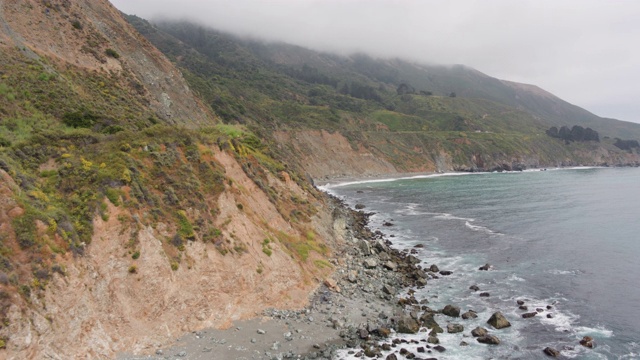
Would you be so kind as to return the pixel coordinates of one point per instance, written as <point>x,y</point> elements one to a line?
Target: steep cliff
<point>128,214</point>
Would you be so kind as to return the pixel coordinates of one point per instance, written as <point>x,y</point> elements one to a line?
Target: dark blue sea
<point>566,238</point>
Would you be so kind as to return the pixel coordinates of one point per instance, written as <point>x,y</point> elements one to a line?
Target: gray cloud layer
<point>584,51</point>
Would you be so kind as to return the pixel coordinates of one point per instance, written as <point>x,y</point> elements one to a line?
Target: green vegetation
<point>256,88</point>
<point>185,229</point>
<point>266,248</point>
<point>112,53</point>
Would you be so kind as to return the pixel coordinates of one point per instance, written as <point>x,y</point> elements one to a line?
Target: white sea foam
<point>598,331</point>
<point>373,181</point>
<point>480,228</point>
<point>513,277</point>
<point>445,216</point>
<point>561,321</point>
<point>565,272</point>
<point>411,210</point>
<point>328,186</point>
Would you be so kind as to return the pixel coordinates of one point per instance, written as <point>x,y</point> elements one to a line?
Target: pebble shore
<point>356,313</point>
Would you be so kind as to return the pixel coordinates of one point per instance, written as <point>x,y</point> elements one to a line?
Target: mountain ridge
<point>357,95</point>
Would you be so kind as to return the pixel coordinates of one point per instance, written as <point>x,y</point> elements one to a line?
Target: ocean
<point>568,239</point>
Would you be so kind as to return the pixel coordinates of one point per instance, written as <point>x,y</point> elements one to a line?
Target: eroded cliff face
<point>325,155</point>
<point>107,302</point>
<point>254,237</point>
<point>92,35</point>
<point>330,155</point>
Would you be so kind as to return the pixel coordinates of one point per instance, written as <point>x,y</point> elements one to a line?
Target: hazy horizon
<point>581,51</point>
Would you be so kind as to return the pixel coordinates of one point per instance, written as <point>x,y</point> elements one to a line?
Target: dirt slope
<point>101,307</point>
<point>79,33</point>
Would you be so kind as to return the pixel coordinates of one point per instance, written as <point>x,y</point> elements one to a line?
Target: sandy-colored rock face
<point>100,307</point>
<point>325,154</point>
<point>79,32</point>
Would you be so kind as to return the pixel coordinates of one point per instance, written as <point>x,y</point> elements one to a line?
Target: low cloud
<point>581,50</point>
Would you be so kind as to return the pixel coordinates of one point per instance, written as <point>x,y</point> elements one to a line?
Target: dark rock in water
<point>549,307</point>
<point>446,272</point>
<point>383,332</point>
<point>363,334</point>
<point>433,340</point>
<point>391,357</point>
<point>413,251</point>
<point>451,310</point>
<point>454,328</point>
<point>485,267</point>
<point>549,316</point>
<point>436,330</point>
<point>420,349</point>
<point>498,321</point>
<point>439,348</point>
<point>523,307</point>
<point>464,343</point>
<point>386,346</point>
<point>539,310</point>
<point>529,315</point>
<point>428,321</point>
<point>419,246</point>
<point>474,287</point>
<point>520,302</point>
<point>386,223</point>
<point>551,352</point>
<point>407,325</point>
<point>479,331</point>
<point>469,315</point>
<point>371,352</point>
<point>485,294</point>
<point>359,206</point>
<point>434,268</point>
<point>489,339</point>
<point>587,341</point>
<point>359,192</point>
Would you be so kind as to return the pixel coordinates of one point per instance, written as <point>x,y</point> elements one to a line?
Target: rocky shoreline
<point>356,313</point>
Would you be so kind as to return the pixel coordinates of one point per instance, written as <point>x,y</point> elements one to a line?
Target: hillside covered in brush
<point>129,213</point>
<point>400,115</point>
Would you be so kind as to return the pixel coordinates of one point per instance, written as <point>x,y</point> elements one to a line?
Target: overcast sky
<point>584,51</point>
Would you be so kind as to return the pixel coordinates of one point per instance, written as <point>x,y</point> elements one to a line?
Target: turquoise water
<point>566,238</point>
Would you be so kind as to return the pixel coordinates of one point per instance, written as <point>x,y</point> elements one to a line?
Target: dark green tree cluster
<point>576,133</point>
<point>626,144</point>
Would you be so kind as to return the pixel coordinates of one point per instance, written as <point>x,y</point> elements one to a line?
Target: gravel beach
<point>356,313</point>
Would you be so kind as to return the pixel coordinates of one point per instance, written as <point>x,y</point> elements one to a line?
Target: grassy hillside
<point>289,88</point>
